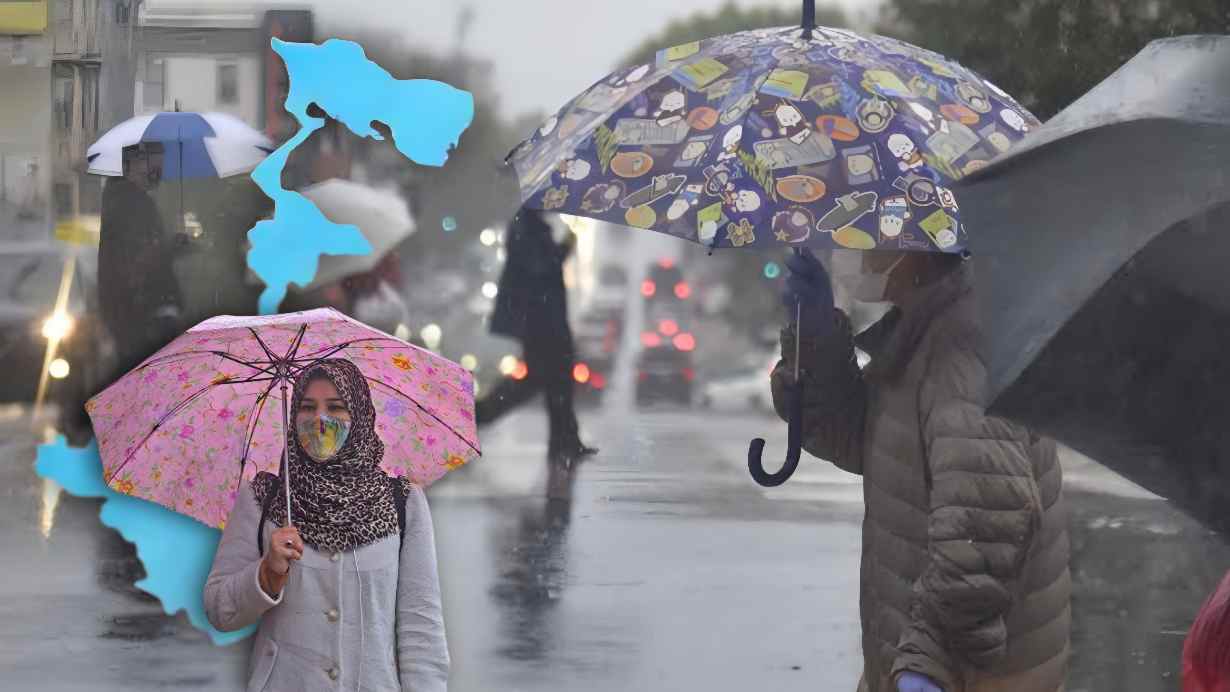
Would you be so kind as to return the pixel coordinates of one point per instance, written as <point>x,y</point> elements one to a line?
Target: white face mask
<point>859,283</point>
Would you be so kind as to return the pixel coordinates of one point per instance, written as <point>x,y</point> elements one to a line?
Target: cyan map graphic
<point>426,119</point>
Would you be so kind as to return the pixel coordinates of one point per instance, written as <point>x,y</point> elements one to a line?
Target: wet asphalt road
<point>657,565</point>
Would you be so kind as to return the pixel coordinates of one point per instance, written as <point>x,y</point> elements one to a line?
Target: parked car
<point>664,373</point>
<point>597,343</point>
<point>31,277</point>
<point>741,389</point>
<point>664,282</point>
<point>748,387</point>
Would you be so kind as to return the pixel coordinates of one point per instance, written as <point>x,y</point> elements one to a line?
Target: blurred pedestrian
<point>1206,653</point>
<point>531,306</point>
<point>376,297</point>
<point>965,583</point>
<point>359,558</point>
<point>212,267</point>
<point>138,293</point>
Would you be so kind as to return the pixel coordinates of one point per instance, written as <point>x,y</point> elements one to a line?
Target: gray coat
<point>965,540</point>
<point>329,630</point>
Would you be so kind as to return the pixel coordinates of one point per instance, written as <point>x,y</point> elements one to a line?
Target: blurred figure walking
<point>139,296</point>
<point>532,307</point>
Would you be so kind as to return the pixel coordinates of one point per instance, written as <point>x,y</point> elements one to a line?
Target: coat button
<point>336,556</point>
<point>333,673</point>
<point>332,615</point>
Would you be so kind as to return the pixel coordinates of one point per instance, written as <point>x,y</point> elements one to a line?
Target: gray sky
<point>544,51</point>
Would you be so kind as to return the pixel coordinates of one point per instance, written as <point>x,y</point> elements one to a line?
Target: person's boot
<point>572,451</point>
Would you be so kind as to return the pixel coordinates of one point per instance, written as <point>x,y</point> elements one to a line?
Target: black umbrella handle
<point>794,443</point>
<point>809,18</point>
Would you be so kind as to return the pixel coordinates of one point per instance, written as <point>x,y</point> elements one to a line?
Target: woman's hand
<point>285,546</point>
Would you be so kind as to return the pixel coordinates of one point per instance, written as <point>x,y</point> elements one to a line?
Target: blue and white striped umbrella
<point>206,144</point>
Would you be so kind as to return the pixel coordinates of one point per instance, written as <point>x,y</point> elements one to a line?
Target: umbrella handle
<point>286,453</point>
<point>794,444</point>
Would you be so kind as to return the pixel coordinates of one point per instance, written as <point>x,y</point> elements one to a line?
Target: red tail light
<point>666,263</point>
<point>682,290</point>
<point>688,374</point>
<point>668,327</point>
<point>650,339</point>
<point>642,375</point>
<point>580,373</point>
<point>520,372</point>
<point>648,288</point>
<point>684,341</point>
<point>597,381</point>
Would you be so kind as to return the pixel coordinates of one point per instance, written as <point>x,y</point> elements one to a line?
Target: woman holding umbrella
<point>965,582</point>
<point>345,598</point>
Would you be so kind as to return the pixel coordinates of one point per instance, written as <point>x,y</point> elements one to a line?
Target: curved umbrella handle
<point>794,445</point>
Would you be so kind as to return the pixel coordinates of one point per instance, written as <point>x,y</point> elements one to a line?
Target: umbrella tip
<point>809,18</point>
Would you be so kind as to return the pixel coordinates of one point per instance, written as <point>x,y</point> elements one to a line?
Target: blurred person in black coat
<point>532,307</point>
<point>139,296</point>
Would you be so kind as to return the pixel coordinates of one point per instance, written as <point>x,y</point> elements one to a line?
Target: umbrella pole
<point>180,144</point>
<point>286,454</point>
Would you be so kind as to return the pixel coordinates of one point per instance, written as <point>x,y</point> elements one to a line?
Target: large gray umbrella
<point>1102,252</point>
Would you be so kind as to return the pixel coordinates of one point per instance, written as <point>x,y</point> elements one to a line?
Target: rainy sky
<point>545,51</point>
<point>579,41</point>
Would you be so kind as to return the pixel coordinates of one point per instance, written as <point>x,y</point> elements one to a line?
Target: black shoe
<point>574,452</point>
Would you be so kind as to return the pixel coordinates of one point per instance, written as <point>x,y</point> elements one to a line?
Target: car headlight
<point>58,326</point>
<point>58,369</point>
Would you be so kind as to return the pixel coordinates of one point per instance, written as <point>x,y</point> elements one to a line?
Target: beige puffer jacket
<point>965,542</point>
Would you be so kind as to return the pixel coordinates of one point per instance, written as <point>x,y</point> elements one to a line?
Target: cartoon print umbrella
<point>207,411</point>
<point>783,137</point>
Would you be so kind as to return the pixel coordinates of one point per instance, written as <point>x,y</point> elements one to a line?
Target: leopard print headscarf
<point>345,501</point>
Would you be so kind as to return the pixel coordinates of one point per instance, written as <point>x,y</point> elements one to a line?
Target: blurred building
<point>199,57</point>
<point>215,55</point>
<point>25,119</point>
<point>63,65</point>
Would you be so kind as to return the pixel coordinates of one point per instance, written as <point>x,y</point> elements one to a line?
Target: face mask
<point>322,437</point>
<point>860,283</point>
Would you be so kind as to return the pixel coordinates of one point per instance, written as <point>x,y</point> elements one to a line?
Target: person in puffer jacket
<point>965,584</point>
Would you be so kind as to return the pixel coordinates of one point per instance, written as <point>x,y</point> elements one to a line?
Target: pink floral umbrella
<point>185,427</point>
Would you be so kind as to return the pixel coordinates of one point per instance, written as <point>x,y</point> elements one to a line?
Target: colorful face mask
<point>322,437</point>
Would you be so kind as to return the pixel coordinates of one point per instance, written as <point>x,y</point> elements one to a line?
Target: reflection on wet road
<point>657,565</point>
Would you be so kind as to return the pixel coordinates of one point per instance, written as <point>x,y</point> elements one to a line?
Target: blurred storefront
<point>25,142</point>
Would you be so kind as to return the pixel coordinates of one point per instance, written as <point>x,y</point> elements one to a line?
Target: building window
<point>228,83</point>
<point>62,93</point>
<point>152,87</point>
<point>63,194</point>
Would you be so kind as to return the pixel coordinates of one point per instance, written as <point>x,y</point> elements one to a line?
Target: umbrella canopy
<point>207,411</point>
<point>785,137</point>
<point>1101,256</point>
<point>381,215</point>
<point>776,138</point>
<point>195,145</point>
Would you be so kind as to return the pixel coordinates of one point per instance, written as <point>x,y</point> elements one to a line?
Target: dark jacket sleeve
<point>984,509</point>
<point>834,394</point>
